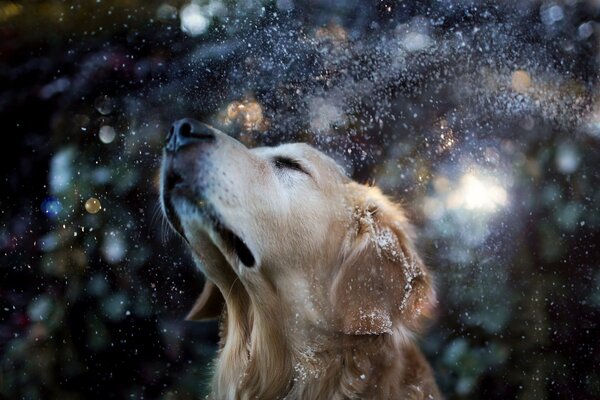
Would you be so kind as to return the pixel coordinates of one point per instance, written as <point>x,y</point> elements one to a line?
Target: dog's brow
<point>293,163</point>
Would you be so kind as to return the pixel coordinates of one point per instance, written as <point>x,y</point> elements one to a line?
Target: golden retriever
<point>315,277</point>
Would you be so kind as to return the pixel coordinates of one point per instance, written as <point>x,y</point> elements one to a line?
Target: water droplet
<point>92,205</point>
<point>107,134</point>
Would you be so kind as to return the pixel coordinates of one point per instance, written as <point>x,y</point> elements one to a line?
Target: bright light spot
<point>193,20</point>
<point>414,41</point>
<point>92,205</point>
<point>552,14</point>
<point>556,13</point>
<point>520,81</point>
<point>107,134</point>
<point>473,192</point>
<point>447,140</point>
<point>476,193</point>
<point>51,207</point>
<point>585,30</point>
<point>114,248</point>
<point>61,171</point>
<point>248,113</point>
<point>567,159</point>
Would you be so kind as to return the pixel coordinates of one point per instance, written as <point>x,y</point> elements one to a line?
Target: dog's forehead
<point>298,150</point>
<point>301,151</point>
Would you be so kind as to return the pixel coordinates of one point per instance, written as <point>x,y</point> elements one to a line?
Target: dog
<point>315,277</point>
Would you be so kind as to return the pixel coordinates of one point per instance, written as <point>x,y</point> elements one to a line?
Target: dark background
<point>482,118</point>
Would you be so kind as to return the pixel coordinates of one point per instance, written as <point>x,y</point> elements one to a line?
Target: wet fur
<point>258,360</point>
<point>334,310</point>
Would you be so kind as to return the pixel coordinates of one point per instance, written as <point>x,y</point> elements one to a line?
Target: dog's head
<point>283,230</point>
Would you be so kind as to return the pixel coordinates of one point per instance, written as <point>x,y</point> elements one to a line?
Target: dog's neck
<point>261,357</point>
<point>254,360</point>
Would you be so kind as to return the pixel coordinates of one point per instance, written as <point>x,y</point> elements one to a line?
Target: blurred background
<point>481,117</point>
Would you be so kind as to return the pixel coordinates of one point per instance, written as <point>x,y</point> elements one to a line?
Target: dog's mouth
<point>232,242</point>
<point>175,186</point>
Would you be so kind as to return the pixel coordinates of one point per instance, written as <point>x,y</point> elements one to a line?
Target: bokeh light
<point>520,81</point>
<point>51,207</point>
<point>473,192</point>
<point>479,193</point>
<point>92,205</point>
<point>107,134</point>
<point>193,20</point>
<point>247,113</point>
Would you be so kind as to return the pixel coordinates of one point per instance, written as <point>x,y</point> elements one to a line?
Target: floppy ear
<point>382,284</point>
<point>209,304</point>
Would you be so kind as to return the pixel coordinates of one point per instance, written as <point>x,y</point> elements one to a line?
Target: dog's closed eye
<point>281,162</point>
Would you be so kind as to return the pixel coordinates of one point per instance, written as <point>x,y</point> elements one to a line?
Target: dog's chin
<point>181,204</point>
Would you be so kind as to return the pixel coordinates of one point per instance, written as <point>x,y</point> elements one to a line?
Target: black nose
<point>188,131</point>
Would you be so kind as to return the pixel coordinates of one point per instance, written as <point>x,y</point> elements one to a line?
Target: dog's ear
<point>209,304</point>
<point>382,284</point>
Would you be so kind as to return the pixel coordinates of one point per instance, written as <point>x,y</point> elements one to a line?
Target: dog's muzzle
<point>183,135</point>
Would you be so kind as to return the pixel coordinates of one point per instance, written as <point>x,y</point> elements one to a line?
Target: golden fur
<point>337,294</point>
